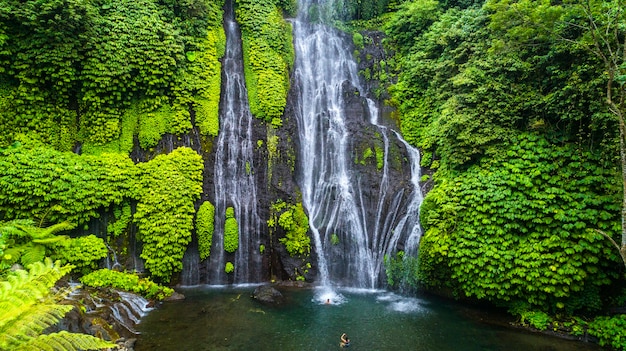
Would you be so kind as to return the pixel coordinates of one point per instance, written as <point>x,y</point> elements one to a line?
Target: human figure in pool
<point>345,342</point>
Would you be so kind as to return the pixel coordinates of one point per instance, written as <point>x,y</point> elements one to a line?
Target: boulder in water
<point>268,294</point>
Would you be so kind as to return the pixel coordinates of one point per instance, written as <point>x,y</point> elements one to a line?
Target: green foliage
<point>28,244</point>
<point>126,281</point>
<point>231,231</point>
<point>45,184</point>
<point>462,89</point>
<point>207,78</point>
<point>296,225</point>
<point>410,20</point>
<point>72,69</point>
<point>133,51</point>
<point>380,157</point>
<point>205,226</point>
<point>168,186</point>
<point>609,331</point>
<point>357,39</point>
<point>84,253</point>
<point>402,271</point>
<point>123,217</point>
<point>334,239</point>
<point>536,319</point>
<point>229,268</point>
<point>517,226</point>
<point>27,308</point>
<point>268,54</point>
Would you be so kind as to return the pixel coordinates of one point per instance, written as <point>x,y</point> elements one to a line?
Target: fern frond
<point>34,320</point>
<point>32,254</point>
<point>14,227</point>
<point>53,229</point>
<point>64,341</point>
<point>22,288</point>
<point>52,240</point>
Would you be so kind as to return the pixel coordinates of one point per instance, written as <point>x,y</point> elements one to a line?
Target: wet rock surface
<point>268,295</point>
<point>105,313</point>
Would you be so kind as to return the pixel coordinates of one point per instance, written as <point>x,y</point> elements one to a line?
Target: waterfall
<point>234,169</point>
<point>332,189</point>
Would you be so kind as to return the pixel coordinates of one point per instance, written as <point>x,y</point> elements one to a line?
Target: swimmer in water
<point>345,342</point>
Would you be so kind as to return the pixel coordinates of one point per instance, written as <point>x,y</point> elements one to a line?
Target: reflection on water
<point>229,319</point>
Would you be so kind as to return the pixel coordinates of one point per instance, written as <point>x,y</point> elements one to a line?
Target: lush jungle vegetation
<point>517,107</point>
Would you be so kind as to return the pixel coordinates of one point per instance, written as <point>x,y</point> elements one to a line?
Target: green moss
<point>273,151</point>
<point>204,228</point>
<point>367,153</point>
<point>231,231</point>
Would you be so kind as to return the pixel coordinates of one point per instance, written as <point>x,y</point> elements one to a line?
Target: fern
<point>64,341</point>
<point>28,243</point>
<point>27,308</point>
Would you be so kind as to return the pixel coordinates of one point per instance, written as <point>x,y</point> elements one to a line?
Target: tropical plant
<point>27,243</point>
<point>268,54</point>
<point>28,307</point>
<point>168,187</point>
<point>590,26</point>
<point>84,253</point>
<point>126,281</point>
<point>231,231</point>
<point>609,331</point>
<point>296,225</point>
<point>205,226</point>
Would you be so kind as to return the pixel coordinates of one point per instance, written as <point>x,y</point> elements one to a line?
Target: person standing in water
<point>345,342</point>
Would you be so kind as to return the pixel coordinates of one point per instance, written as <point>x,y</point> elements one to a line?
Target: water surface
<point>229,319</point>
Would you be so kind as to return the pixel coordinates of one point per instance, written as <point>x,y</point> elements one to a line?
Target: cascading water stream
<point>331,187</point>
<point>234,176</point>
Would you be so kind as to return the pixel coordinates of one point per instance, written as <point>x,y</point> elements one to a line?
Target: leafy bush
<point>167,189</point>
<point>517,227</point>
<point>229,268</point>
<point>610,331</point>
<point>536,319</point>
<point>268,54</point>
<point>296,225</point>
<point>231,231</point>
<point>85,253</point>
<point>205,226</point>
<point>128,282</point>
<point>42,183</point>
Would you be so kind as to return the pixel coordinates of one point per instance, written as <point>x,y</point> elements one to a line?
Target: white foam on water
<point>327,296</point>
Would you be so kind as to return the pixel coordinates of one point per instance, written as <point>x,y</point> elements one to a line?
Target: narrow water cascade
<point>234,169</point>
<point>354,221</point>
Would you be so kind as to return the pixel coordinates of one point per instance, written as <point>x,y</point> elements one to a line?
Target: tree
<point>27,308</point>
<point>605,37</point>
